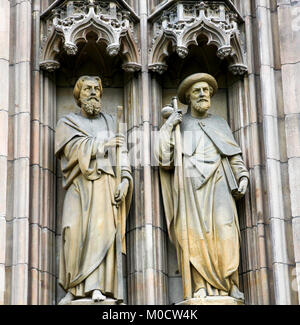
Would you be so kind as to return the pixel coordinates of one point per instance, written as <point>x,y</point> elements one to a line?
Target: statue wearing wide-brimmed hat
<point>213,176</point>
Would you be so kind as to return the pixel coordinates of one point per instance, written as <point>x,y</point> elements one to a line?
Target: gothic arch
<point>184,22</point>
<point>67,28</point>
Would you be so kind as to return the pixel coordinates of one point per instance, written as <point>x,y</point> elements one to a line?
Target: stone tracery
<point>70,24</point>
<point>183,22</point>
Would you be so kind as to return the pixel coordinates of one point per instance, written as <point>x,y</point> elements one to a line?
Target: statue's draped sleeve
<point>164,147</point>
<point>164,152</point>
<point>238,167</point>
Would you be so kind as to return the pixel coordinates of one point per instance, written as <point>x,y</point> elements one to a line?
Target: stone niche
<point>79,38</point>
<point>91,59</point>
<point>200,58</point>
<point>190,37</point>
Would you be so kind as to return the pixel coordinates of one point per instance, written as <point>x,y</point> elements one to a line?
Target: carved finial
<point>91,4</point>
<point>202,5</point>
<point>70,48</point>
<point>126,14</point>
<point>113,49</point>
<point>182,51</point>
<point>224,51</point>
<point>238,69</point>
<point>159,68</point>
<point>164,15</point>
<point>50,65</point>
<point>131,67</point>
<point>56,12</point>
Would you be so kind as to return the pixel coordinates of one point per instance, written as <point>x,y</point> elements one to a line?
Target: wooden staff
<point>118,151</point>
<point>118,208</point>
<point>185,260</point>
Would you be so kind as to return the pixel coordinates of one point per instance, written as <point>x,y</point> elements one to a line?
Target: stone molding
<point>50,65</point>
<point>212,301</point>
<point>131,67</point>
<point>182,23</point>
<point>160,68</point>
<point>70,23</point>
<point>90,302</point>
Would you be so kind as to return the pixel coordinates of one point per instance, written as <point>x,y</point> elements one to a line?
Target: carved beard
<point>91,106</point>
<point>201,106</point>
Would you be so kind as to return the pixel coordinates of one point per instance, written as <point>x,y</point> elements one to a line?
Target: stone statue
<point>213,176</point>
<point>95,207</point>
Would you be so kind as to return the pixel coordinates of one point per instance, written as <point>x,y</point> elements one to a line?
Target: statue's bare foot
<point>98,296</point>
<point>67,299</point>
<point>236,293</point>
<point>201,293</point>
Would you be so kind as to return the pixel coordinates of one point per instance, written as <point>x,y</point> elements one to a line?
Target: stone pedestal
<point>212,300</point>
<point>85,301</point>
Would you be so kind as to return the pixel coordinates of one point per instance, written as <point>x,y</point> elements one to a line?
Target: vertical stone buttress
<point>34,160</point>
<point>147,238</point>
<point>41,289</point>
<point>279,113</point>
<point>159,224</point>
<point>4,103</point>
<point>146,243</point>
<point>288,15</point>
<point>17,219</point>
<point>255,270</point>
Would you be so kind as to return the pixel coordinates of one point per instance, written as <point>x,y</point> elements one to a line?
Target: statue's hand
<point>242,188</point>
<point>174,119</point>
<point>116,141</point>
<point>122,191</point>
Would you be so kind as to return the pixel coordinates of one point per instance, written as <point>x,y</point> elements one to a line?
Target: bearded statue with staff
<point>202,174</point>
<point>97,200</point>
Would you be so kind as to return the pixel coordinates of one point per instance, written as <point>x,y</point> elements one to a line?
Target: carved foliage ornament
<point>75,19</point>
<point>183,22</point>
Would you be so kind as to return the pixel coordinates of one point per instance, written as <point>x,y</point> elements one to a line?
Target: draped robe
<point>89,245</point>
<point>213,166</point>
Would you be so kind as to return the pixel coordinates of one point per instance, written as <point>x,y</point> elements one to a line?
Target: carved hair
<point>79,84</point>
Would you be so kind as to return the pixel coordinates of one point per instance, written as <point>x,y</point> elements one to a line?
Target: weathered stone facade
<point>142,49</point>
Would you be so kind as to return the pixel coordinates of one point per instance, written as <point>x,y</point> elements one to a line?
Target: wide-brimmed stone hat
<point>192,79</point>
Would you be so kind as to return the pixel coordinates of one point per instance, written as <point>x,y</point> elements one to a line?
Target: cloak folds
<point>212,165</point>
<point>89,222</point>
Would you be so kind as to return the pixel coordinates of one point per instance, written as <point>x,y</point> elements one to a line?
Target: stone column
<point>255,268</point>
<point>289,38</point>
<point>48,185</point>
<point>274,151</point>
<point>35,158</point>
<point>17,242</point>
<point>147,231</point>
<point>41,289</point>
<point>146,281</point>
<point>4,102</point>
<point>159,230</point>
<point>135,219</point>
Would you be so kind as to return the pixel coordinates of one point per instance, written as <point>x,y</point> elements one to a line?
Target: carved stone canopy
<point>183,22</point>
<point>70,23</point>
